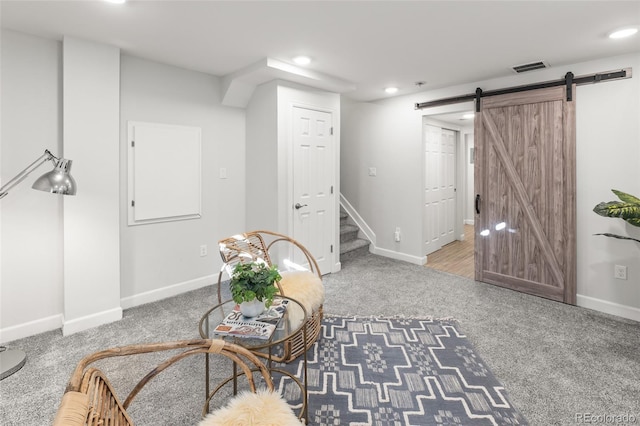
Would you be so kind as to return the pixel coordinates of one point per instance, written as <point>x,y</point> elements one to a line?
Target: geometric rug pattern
<point>398,371</point>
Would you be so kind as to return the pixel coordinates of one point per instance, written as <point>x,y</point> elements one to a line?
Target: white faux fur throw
<point>263,408</point>
<point>305,287</point>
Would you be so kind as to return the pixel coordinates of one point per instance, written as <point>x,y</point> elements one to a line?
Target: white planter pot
<point>252,308</point>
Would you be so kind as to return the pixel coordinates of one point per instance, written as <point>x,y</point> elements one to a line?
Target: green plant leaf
<point>634,221</point>
<point>627,198</point>
<point>623,210</point>
<point>620,237</point>
<point>254,280</point>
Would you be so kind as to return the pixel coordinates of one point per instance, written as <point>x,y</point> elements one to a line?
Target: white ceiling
<point>369,44</point>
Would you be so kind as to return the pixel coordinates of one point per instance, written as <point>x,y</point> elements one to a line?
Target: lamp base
<point>11,360</point>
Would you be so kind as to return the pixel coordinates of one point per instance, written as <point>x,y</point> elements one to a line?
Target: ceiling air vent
<point>518,69</point>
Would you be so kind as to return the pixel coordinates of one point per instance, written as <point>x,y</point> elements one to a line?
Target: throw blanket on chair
<point>305,287</point>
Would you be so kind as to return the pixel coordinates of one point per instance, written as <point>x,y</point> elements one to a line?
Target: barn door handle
<point>477,203</point>
<point>298,206</point>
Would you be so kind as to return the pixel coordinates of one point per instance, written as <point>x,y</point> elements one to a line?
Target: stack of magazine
<point>259,327</point>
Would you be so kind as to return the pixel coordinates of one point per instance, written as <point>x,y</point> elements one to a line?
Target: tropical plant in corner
<point>628,209</point>
<point>254,280</point>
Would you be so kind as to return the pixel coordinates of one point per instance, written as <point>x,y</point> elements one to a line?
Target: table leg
<point>305,395</point>
<point>235,379</point>
<point>206,379</point>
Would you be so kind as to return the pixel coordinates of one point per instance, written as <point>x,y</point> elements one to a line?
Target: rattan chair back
<point>90,399</point>
<point>264,246</point>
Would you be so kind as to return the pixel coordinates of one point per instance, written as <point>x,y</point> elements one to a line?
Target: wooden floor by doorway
<point>456,257</point>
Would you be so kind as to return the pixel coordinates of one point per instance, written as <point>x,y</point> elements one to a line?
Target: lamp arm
<point>4,190</point>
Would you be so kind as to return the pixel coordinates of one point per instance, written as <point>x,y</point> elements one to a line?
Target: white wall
<point>91,102</point>
<point>387,135</point>
<point>156,260</point>
<point>31,221</point>
<point>262,159</point>
<point>608,157</point>
<point>163,259</point>
<point>469,211</point>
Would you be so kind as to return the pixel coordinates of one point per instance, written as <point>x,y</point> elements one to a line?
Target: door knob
<point>298,206</point>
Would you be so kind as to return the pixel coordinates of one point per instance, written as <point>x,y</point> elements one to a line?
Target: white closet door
<point>312,183</point>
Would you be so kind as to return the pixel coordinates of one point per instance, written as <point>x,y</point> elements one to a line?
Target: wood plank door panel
<point>525,177</point>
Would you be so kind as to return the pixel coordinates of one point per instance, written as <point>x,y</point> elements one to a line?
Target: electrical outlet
<point>397,234</point>
<point>620,272</point>
<point>203,250</point>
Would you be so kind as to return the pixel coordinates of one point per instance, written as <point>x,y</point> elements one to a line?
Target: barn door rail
<point>568,80</point>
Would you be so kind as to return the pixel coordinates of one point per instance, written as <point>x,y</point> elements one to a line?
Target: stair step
<point>350,245</point>
<point>353,245</point>
<point>343,217</point>
<point>354,248</point>
<point>348,233</point>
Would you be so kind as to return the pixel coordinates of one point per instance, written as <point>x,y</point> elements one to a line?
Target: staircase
<point>351,246</point>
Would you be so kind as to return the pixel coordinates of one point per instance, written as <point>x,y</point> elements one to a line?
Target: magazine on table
<point>259,327</point>
<point>273,313</point>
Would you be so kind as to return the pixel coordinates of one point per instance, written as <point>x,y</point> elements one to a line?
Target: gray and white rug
<point>398,371</point>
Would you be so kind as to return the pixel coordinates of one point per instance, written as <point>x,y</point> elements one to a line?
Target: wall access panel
<point>164,172</point>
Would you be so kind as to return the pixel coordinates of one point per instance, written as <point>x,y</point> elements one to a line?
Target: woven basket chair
<point>90,399</point>
<point>266,246</point>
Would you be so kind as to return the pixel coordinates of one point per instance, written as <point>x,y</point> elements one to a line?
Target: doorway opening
<point>448,223</point>
<point>456,257</point>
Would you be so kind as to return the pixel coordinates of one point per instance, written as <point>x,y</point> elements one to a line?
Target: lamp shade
<point>58,180</point>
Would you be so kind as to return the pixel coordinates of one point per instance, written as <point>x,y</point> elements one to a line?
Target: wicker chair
<point>90,398</point>
<point>267,246</point>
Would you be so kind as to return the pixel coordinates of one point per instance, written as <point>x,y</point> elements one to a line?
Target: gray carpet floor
<point>557,362</point>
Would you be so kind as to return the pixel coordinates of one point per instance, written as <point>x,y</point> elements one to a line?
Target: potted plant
<point>253,286</point>
<point>628,209</point>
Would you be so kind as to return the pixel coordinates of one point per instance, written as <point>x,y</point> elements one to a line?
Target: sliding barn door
<point>525,186</point>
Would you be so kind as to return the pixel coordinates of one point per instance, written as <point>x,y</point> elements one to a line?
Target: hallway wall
<point>387,134</point>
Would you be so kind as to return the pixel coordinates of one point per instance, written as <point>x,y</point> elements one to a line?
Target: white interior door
<point>313,218</point>
<point>439,188</point>
<point>447,211</point>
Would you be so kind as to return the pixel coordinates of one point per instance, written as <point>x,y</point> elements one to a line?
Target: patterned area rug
<point>396,371</point>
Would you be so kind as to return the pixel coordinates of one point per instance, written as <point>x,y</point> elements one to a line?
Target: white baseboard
<point>91,321</point>
<point>55,322</point>
<point>30,328</point>
<point>623,311</point>
<point>469,221</point>
<point>169,291</point>
<point>398,256</point>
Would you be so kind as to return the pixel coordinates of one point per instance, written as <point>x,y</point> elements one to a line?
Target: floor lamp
<point>57,181</point>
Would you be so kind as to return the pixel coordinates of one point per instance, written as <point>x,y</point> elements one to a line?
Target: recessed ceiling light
<point>116,1</point>
<point>625,32</point>
<point>302,60</point>
<point>391,90</point>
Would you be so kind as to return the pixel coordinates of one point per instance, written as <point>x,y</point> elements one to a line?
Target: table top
<point>289,325</point>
